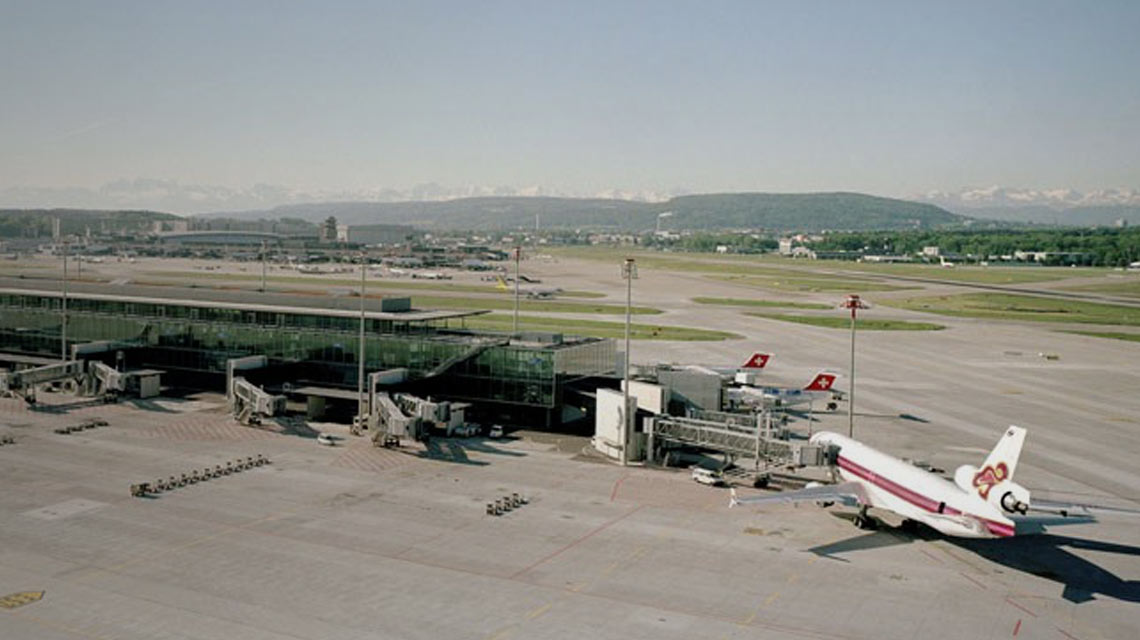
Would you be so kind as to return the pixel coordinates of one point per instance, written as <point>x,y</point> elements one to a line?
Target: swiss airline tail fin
<point>1003,459</point>
<point>757,361</point>
<point>821,382</point>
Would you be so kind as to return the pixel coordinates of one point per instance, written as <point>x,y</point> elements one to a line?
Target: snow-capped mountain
<point>175,197</point>
<point>1012,197</point>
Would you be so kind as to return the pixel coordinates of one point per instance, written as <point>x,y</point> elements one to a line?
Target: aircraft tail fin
<point>1003,459</point>
<point>821,382</point>
<point>502,286</point>
<point>757,361</point>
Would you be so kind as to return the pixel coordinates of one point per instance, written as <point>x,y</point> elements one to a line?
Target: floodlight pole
<point>515,325</point>
<point>854,303</point>
<point>263,249</point>
<point>63,309</point>
<point>360,355</point>
<point>629,273</point>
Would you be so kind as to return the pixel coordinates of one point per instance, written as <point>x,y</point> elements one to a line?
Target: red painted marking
<point>1017,627</point>
<point>977,582</point>
<point>617,485</point>
<point>575,543</point>
<point>1012,603</point>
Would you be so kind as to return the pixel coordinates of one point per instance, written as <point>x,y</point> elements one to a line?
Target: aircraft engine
<point>1011,497</point>
<point>964,477</point>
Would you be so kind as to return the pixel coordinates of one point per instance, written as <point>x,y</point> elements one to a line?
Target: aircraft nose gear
<point>864,521</point>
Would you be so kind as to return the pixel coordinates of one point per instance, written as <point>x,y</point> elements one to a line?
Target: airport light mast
<point>515,325</point>
<point>854,303</point>
<point>359,422</point>
<point>629,274</point>
<point>63,309</point>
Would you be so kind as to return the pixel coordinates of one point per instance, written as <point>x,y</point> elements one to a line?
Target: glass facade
<point>202,336</point>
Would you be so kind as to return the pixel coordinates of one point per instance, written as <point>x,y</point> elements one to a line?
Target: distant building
<point>785,246</point>
<point>1064,258</point>
<point>886,258</point>
<point>380,233</point>
<point>328,230</point>
<point>931,252</point>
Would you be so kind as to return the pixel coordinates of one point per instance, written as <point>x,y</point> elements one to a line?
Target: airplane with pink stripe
<point>979,503</point>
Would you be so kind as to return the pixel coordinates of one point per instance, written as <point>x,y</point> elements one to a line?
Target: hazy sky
<point>892,98</point>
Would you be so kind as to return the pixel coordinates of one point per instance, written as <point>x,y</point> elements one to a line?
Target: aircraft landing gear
<point>864,521</point>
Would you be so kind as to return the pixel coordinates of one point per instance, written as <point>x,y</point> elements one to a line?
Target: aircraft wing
<point>843,492</point>
<point>1076,510</point>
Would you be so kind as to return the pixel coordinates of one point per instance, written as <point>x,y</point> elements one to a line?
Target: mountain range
<point>1067,207</point>
<point>774,211</point>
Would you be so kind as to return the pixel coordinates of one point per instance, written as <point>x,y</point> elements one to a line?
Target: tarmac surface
<point>352,541</point>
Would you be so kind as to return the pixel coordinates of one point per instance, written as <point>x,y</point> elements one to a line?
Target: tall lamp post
<point>629,274</point>
<point>263,257</point>
<point>854,303</point>
<point>63,309</point>
<point>515,324</point>
<point>359,422</point>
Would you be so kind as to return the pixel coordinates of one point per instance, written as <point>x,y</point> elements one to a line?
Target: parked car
<point>496,431</point>
<point>708,476</point>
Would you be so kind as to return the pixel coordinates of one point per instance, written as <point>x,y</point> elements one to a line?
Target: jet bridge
<point>22,383</point>
<point>109,383</point>
<point>250,404</point>
<point>752,436</point>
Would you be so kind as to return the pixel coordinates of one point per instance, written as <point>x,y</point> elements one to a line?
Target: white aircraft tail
<point>1003,459</point>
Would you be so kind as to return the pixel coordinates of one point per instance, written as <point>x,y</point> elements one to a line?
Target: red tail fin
<point>821,382</point>
<point>757,361</point>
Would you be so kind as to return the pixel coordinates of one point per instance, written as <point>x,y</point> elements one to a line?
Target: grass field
<point>750,302</point>
<point>1129,288</point>
<point>1130,337</point>
<point>379,283</point>
<point>790,268</point>
<point>971,274</point>
<point>1000,306</point>
<point>499,303</point>
<point>822,284</point>
<point>845,323</point>
<point>540,306</point>
<point>596,328</point>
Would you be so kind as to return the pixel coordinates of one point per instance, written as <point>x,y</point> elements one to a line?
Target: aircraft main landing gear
<point>864,521</point>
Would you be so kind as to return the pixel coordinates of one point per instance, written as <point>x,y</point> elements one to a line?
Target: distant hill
<point>806,212</point>
<point>1085,216</point>
<point>783,212</point>
<point>37,223</point>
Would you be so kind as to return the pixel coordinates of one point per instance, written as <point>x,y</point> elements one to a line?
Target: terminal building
<point>309,341</point>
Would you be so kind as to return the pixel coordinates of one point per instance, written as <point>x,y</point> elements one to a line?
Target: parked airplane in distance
<point>430,275</point>
<point>820,390</point>
<point>530,292</point>
<point>754,364</point>
<point>979,503</point>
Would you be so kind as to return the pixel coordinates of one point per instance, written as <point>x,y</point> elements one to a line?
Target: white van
<point>708,476</point>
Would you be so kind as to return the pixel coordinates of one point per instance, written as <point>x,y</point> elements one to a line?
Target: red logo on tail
<point>987,477</point>
<point>822,382</point>
<point>757,361</point>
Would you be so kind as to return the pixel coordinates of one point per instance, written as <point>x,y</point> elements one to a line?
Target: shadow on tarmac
<point>1044,555</point>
